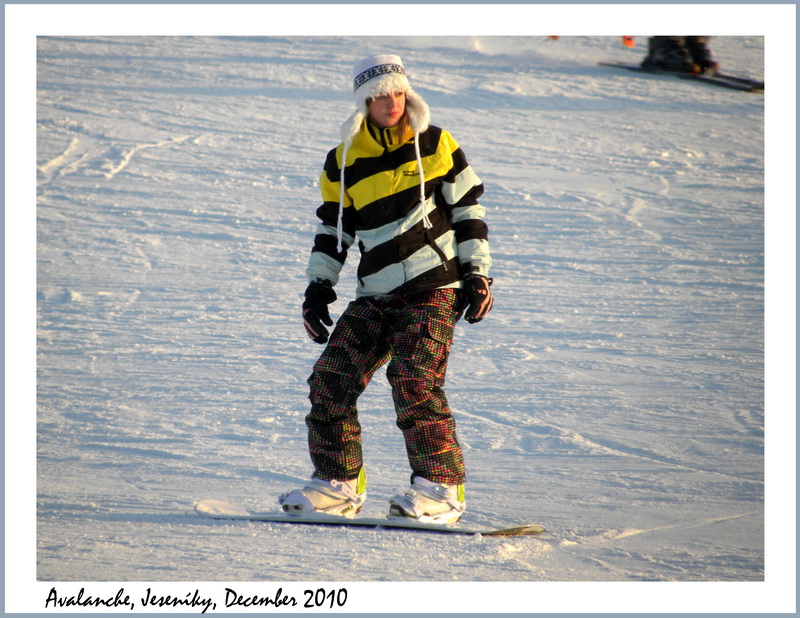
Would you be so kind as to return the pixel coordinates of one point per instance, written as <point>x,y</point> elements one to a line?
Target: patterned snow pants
<point>413,333</point>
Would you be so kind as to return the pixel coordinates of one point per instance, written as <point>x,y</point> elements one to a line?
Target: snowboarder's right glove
<point>319,294</point>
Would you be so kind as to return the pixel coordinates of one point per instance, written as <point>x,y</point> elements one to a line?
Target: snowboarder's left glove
<point>479,297</point>
<point>319,294</point>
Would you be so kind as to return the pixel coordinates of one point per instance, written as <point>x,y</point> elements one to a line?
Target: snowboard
<point>217,509</point>
<point>720,79</point>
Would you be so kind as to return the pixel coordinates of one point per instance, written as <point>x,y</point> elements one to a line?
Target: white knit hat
<point>379,74</point>
<point>383,73</point>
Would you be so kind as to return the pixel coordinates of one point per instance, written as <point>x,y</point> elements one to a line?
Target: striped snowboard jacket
<point>403,248</point>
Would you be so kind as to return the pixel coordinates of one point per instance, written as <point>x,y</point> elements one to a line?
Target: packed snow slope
<point>615,394</point>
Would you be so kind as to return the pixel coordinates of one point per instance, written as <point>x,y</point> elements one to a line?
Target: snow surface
<point>615,394</point>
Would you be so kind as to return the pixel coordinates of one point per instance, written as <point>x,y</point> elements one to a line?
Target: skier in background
<point>683,54</point>
<point>405,189</point>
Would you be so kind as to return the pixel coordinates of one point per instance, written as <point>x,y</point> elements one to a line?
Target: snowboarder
<point>683,54</point>
<point>404,188</point>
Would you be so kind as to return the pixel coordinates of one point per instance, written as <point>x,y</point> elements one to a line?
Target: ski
<point>217,509</point>
<point>734,82</point>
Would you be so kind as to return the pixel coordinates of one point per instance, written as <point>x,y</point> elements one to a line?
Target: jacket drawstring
<point>425,220</point>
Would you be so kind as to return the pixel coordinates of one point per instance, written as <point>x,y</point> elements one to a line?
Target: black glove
<point>319,294</point>
<point>479,297</point>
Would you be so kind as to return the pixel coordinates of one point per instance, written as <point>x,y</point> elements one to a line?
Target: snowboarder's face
<point>387,109</point>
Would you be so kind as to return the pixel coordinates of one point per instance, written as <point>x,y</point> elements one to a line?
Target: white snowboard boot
<point>429,502</point>
<point>333,497</point>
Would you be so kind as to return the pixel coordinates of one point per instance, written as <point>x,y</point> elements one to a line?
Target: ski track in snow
<point>614,394</point>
